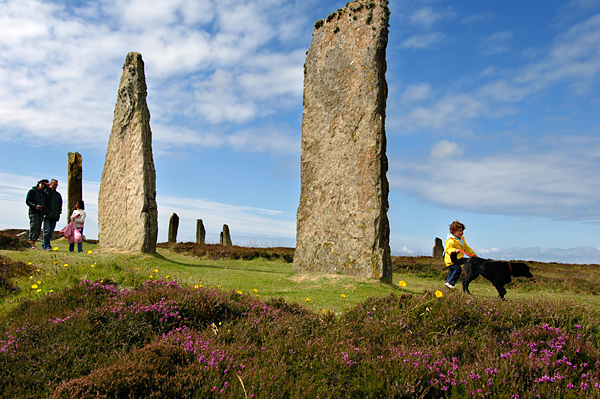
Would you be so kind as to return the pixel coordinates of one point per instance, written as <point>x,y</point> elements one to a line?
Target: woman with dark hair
<point>78,217</point>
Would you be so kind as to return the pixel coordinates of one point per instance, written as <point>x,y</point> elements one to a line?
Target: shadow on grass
<point>253,270</point>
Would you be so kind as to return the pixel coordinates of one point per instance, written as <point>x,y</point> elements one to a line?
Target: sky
<point>492,115</point>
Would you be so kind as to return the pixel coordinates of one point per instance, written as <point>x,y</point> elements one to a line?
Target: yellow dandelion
<point>201,286</point>
<point>89,252</point>
<point>255,290</point>
<point>324,311</point>
<point>439,294</point>
<point>47,274</point>
<point>37,270</point>
<point>220,323</point>
<point>402,283</point>
<point>239,292</point>
<point>196,286</point>
<point>138,269</point>
<point>92,265</point>
<point>307,299</point>
<point>151,276</point>
<point>34,286</point>
<point>39,282</point>
<point>51,291</point>
<point>166,276</point>
<point>66,264</point>
<point>258,296</point>
<point>218,286</point>
<point>29,263</point>
<point>343,296</point>
<point>101,281</point>
<point>39,290</point>
<point>55,249</point>
<point>56,263</point>
<point>30,277</point>
<point>155,270</point>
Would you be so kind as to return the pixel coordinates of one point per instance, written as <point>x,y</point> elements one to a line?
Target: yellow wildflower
<point>89,252</point>
<point>51,291</point>
<point>307,299</point>
<point>324,311</point>
<point>343,296</point>
<point>196,286</point>
<point>34,286</point>
<point>39,290</point>
<point>439,294</point>
<point>255,290</point>
<point>239,292</point>
<point>92,265</point>
<point>402,283</point>
<point>55,249</point>
<point>29,263</point>
<point>66,264</point>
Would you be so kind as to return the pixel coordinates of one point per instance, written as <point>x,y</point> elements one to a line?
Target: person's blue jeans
<point>79,244</point>
<point>454,272</point>
<point>49,226</point>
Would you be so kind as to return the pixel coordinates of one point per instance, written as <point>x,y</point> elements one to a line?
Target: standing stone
<point>127,211</point>
<point>200,232</point>
<point>221,238</point>
<point>342,223</point>
<point>173,226</point>
<point>74,182</point>
<point>225,238</point>
<point>438,248</point>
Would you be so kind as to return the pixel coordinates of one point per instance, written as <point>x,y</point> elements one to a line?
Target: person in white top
<point>78,217</point>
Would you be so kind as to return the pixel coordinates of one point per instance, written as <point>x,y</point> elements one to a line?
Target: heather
<point>179,324</point>
<point>163,339</point>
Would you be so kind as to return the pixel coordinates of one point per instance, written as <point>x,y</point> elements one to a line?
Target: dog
<point>498,272</point>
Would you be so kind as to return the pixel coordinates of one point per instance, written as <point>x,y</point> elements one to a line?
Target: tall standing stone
<point>74,182</point>
<point>173,227</point>
<point>342,223</point>
<point>200,232</point>
<point>438,248</point>
<point>225,237</point>
<point>127,211</point>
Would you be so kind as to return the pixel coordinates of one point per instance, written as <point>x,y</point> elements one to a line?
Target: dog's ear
<point>453,257</point>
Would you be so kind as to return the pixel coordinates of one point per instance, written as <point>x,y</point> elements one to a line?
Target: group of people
<point>45,208</point>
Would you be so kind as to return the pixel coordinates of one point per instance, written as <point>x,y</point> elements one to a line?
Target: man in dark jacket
<point>52,213</point>
<point>36,200</point>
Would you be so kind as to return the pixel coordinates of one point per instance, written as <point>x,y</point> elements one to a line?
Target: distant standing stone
<point>438,248</point>
<point>74,182</point>
<point>127,210</point>
<point>173,227</point>
<point>225,236</point>
<point>200,232</point>
<point>342,223</point>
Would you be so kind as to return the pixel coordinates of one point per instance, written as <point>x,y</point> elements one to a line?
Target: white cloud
<point>417,92</point>
<point>497,43</point>
<point>554,183</point>
<point>206,62</point>
<point>423,41</point>
<point>445,149</point>
<point>427,16</point>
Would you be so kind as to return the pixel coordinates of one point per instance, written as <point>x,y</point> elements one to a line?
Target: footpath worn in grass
<point>241,329</point>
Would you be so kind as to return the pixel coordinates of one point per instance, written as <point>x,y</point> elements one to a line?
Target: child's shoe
<point>449,286</point>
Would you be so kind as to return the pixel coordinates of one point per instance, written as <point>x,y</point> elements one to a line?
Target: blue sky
<point>492,115</point>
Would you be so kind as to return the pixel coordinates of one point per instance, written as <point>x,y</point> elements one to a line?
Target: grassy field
<point>108,323</point>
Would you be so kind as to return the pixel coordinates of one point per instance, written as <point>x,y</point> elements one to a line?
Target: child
<point>78,216</point>
<point>452,255</point>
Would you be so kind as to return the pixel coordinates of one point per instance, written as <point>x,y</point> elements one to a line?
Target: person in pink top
<point>78,217</point>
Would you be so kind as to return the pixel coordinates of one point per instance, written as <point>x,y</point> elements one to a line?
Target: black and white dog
<point>498,272</point>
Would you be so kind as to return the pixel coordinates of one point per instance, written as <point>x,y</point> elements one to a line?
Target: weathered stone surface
<point>225,237</point>
<point>342,223</point>
<point>200,232</point>
<point>127,211</point>
<point>438,248</point>
<point>173,227</point>
<point>74,182</point>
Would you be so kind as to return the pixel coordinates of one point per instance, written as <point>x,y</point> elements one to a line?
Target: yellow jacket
<point>452,244</point>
